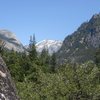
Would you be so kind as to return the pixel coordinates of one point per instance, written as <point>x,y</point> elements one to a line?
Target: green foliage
<point>68,83</point>
<point>38,78</point>
<point>97,57</point>
<point>33,53</point>
<point>32,49</point>
<point>44,60</point>
<point>53,62</point>
<point>44,57</point>
<point>81,45</point>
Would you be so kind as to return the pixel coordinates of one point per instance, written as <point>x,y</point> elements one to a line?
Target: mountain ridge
<point>50,45</point>
<point>81,45</point>
<point>11,41</point>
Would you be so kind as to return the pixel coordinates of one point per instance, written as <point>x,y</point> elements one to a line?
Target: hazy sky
<point>48,19</point>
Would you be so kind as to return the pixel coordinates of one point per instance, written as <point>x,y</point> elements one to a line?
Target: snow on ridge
<point>50,45</point>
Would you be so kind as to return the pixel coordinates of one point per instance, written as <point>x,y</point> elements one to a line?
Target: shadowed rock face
<point>7,88</point>
<point>81,46</point>
<point>11,41</point>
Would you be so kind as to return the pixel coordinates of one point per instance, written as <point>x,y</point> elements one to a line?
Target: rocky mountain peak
<point>11,41</point>
<point>95,16</point>
<point>82,44</point>
<point>50,45</point>
<point>7,33</point>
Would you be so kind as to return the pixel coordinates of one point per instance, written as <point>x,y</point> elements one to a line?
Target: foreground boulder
<point>7,88</point>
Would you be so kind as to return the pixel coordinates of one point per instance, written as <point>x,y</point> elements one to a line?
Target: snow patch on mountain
<point>50,45</point>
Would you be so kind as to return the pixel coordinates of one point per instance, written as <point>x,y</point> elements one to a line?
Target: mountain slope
<point>50,45</point>
<point>11,42</point>
<point>82,44</point>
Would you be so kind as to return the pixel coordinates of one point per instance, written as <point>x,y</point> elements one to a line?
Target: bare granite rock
<point>7,87</point>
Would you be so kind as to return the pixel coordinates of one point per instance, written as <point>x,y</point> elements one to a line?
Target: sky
<point>47,19</point>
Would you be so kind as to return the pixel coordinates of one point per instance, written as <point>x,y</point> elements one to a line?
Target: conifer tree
<point>97,57</point>
<point>43,56</point>
<point>53,62</point>
<point>32,51</point>
<point>45,60</point>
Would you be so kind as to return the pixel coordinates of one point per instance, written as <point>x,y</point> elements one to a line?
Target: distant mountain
<point>11,42</point>
<point>82,44</point>
<point>50,45</point>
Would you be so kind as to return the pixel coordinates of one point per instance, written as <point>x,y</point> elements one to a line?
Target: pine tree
<point>97,56</point>
<point>53,62</point>
<point>45,60</point>
<point>32,51</point>
<point>32,41</point>
<point>43,56</point>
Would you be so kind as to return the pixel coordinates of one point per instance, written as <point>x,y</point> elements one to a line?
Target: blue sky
<point>48,19</point>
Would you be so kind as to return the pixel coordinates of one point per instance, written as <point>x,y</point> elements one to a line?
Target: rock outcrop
<point>82,44</point>
<point>7,88</point>
<point>11,41</point>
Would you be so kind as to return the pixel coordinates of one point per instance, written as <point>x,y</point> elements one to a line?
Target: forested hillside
<point>49,49</point>
<point>38,78</point>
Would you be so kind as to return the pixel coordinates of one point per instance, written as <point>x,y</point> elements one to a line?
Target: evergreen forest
<point>38,77</point>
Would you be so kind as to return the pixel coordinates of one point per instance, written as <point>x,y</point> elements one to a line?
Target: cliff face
<point>7,88</point>
<point>82,44</point>
<point>11,41</point>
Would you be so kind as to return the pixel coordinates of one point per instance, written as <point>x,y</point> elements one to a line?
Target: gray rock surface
<point>7,87</point>
<point>11,42</point>
<point>81,45</point>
